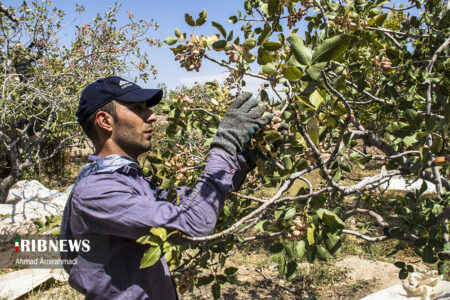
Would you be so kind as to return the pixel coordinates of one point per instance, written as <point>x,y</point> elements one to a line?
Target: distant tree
<point>42,77</point>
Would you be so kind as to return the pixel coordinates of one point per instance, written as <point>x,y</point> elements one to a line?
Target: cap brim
<point>150,96</point>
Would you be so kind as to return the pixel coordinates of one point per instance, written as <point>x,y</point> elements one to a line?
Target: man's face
<point>133,129</point>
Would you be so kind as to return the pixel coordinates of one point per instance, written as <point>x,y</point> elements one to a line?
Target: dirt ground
<point>352,277</point>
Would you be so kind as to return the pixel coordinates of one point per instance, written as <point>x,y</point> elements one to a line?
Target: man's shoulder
<point>105,182</point>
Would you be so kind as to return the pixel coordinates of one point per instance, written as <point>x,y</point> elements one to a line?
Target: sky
<point>169,14</point>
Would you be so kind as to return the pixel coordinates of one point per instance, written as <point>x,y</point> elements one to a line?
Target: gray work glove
<point>242,119</point>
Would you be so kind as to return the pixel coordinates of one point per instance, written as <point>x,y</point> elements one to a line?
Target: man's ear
<point>104,121</point>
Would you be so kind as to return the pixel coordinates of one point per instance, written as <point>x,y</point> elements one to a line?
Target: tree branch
<point>226,65</point>
<point>384,30</point>
<point>10,16</point>
<point>365,237</point>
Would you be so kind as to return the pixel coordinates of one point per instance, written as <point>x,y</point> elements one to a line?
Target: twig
<point>429,139</point>
<point>396,43</point>
<point>365,237</point>
<point>380,220</point>
<point>412,152</point>
<point>324,15</point>
<point>398,9</point>
<point>226,65</point>
<point>10,16</point>
<point>263,236</point>
<point>384,30</point>
<point>202,110</point>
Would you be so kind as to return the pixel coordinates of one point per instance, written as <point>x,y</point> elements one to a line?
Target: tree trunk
<point>5,184</point>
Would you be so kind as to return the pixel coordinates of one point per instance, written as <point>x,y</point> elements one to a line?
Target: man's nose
<point>152,117</point>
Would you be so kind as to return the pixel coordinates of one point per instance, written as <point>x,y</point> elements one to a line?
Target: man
<point>112,201</point>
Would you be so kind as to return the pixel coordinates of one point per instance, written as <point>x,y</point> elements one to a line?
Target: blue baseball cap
<point>112,88</point>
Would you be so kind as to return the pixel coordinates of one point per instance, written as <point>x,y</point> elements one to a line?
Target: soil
<point>360,277</point>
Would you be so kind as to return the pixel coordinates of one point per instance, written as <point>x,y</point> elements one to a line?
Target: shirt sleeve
<point>113,205</point>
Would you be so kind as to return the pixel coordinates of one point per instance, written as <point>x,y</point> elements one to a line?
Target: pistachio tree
<point>363,88</point>
<point>42,77</point>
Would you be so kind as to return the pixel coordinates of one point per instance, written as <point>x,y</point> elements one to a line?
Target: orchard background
<point>361,90</point>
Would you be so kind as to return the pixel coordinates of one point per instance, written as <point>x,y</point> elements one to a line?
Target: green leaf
<point>330,219</point>
<point>150,257</point>
<point>150,239</point>
<point>400,264</point>
<point>177,32</point>
<point>300,248</point>
<point>219,45</point>
<point>287,162</point>
<point>159,232</point>
<point>442,267</point>
<point>282,265</point>
<point>313,130</point>
<point>264,57</point>
<point>290,213</point>
<point>220,28</point>
<point>189,20</point>
<point>233,19</point>
<point>292,73</point>
<point>269,69</point>
<point>315,71</point>
<point>249,43</point>
<point>230,36</point>
<point>310,234</point>
<point>378,20</point>
<point>413,118</point>
<point>332,242</point>
<point>264,34</point>
<point>322,253</point>
<point>428,255</point>
<point>339,83</point>
<point>301,53</point>
<point>165,184</point>
<point>274,6</point>
<point>170,40</point>
<point>331,48</point>
<point>272,46</point>
<point>272,135</point>
<point>291,270</point>
<point>201,18</point>
<point>260,225</point>
<point>316,98</point>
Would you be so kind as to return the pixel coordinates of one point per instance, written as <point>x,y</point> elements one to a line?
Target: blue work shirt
<point>122,206</point>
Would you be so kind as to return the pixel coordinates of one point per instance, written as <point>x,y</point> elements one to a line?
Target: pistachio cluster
<point>298,229</point>
<point>190,58</point>
<point>276,121</point>
<point>180,164</point>
<point>295,16</point>
<point>383,63</point>
<point>307,3</point>
<point>185,98</point>
<point>233,53</point>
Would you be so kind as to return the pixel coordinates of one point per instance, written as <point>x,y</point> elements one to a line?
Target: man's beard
<point>131,143</point>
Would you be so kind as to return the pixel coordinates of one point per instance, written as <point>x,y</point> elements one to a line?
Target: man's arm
<point>113,204</point>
